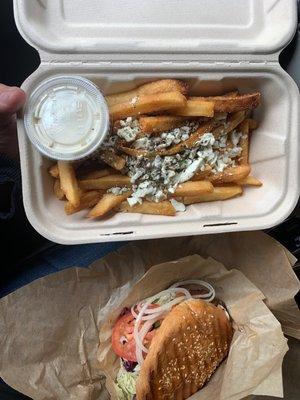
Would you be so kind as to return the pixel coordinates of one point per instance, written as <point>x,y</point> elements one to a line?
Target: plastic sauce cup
<point>66,117</point>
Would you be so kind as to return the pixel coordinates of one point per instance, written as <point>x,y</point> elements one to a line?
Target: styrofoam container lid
<point>108,29</point>
<point>216,46</point>
<point>66,117</point>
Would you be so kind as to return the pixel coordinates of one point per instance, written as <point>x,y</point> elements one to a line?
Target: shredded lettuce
<point>126,382</point>
<point>166,299</point>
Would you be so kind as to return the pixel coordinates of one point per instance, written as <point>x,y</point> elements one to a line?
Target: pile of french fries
<point>159,107</point>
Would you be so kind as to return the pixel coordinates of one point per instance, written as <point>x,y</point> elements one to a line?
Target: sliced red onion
<point>133,311</point>
<point>206,296</point>
<point>129,365</point>
<point>146,329</point>
<point>139,306</point>
<point>143,313</point>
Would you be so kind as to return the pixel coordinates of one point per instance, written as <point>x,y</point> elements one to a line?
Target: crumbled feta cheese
<point>132,201</point>
<point>207,139</point>
<point>138,173</point>
<point>221,142</point>
<point>109,142</point>
<point>134,100</point>
<point>187,174</point>
<point>117,190</point>
<point>154,178</point>
<point>141,143</point>
<point>144,189</point>
<point>220,165</point>
<point>166,139</point>
<point>159,195</point>
<point>177,205</point>
<point>234,152</point>
<point>235,137</point>
<point>129,129</point>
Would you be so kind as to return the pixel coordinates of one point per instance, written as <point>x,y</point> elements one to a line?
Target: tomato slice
<point>123,342</point>
<point>122,339</point>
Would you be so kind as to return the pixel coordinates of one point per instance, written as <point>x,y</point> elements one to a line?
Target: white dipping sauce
<point>66,118</point>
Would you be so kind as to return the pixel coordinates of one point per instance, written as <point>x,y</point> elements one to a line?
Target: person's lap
<point>56,259</point>
<point>50,261</point>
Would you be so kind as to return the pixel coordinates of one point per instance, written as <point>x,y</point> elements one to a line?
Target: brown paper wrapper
<point>258,344</point>
<point>49,330</point>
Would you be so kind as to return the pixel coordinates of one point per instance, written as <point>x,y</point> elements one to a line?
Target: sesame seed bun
<point>190,344</point>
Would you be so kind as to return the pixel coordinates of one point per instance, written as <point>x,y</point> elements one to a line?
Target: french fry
<point>108,202</point>
<point>218,115</point>
<point>193,188</point>
<point>202,175</point>
<point>244,142</point>
<point>233,93</point>
<point>87,200</point>
<point>147,103</point>
<point>219,193</point>
<point>147,207</point>
<point>160,123</point>
<point>106,182</point>
<point>68,182</point>
<point>136,152</point>
<point>233,121</point>
<point>253,124</point>
<point>58,192</point>
<point>100,173</point>
<point>233,104</point>
<point>53,171</point>
<point>231,174</point>
<point>112,159</point>
<point>161,86</point>
<point>196,107</point>
<point>249,181</point>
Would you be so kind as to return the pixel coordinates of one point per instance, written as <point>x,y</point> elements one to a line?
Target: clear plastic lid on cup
<point>66,118</point>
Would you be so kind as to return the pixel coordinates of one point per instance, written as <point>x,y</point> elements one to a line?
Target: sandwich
<point>170,344</point>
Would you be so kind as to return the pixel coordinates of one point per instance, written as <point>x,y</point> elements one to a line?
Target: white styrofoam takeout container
<point>216,45</point>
